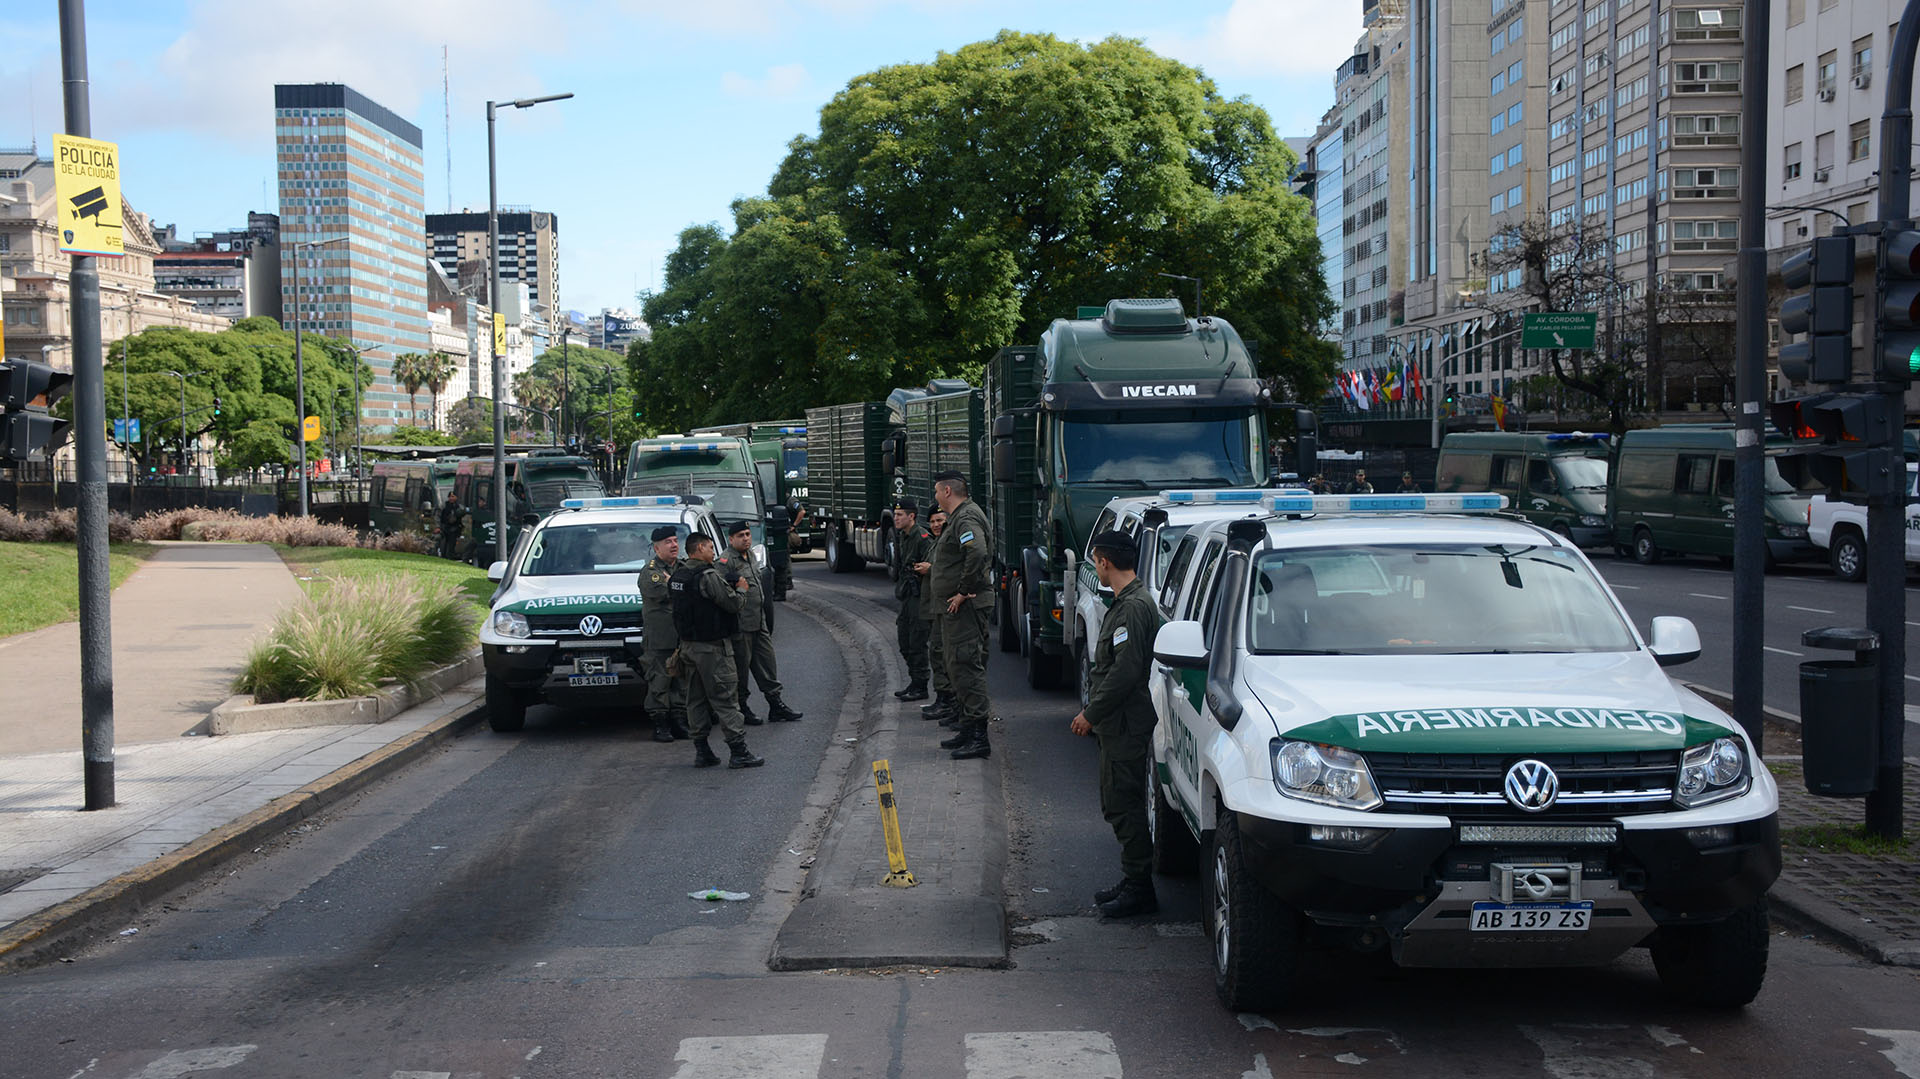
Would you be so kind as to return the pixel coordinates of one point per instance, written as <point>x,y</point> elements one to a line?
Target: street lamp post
<point>356,351</point>
<point>183,418</point>
<point>499,361</point>
<point>300,369</point>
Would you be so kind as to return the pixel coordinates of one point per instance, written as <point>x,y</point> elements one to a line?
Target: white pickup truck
<point>1841,529</point>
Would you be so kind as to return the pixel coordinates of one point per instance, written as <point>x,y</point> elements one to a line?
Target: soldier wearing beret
<point>666,695</point>
<point>753,644</point>
<point>1120,714</point>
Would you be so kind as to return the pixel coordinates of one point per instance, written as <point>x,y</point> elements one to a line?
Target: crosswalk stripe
<point>184,1062</point>
<point>764,1056</point>
<point>1905,1051</point>
<point>1030,1054</point>
<point>422,1075</point>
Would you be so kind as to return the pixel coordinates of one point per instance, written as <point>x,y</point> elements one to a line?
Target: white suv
<point>1399,726</point>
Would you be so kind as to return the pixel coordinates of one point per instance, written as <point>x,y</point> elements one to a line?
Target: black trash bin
<point>1840,713</point>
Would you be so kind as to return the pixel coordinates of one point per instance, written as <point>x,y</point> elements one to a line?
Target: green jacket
<point>963,558</point>
<point>914,545</point>
<point>1118,705</point>
<point>656,605</point>
<point>753,616</point>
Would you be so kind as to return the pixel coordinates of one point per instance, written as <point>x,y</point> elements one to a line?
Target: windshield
<point>684,460</point>
<point>548,487</point>
<point>605,547</point>
<point>794,461</point>
<point>1432,599</point>
<point>1581,473</point>
<point>733,502</point>
<point>1151,454</point>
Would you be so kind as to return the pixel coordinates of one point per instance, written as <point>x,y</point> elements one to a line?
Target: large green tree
<point>950,208</point>
<point>592,384</point>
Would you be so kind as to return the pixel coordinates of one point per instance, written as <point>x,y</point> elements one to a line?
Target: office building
<point>1371,126</point>
<point>529,248</point>
<point>234,274</point>
<point>350,168</point>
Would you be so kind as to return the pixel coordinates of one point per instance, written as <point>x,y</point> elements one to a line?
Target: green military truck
<point>537,484</point>
<point>1134,397</point>
<point>717,469</point>
<point>850,481</point>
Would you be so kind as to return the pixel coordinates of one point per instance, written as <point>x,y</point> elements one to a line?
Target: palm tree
<point>410,370</point>
<point>439,372</point>
<point>536,391</point>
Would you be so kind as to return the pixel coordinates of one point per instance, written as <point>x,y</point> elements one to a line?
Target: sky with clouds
<point>680,106</point>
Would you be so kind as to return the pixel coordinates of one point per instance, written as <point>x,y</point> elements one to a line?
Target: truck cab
<point>719,470</point>
<point>537,484</point>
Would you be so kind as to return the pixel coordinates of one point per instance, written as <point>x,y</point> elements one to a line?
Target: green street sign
<point>1558,329</point>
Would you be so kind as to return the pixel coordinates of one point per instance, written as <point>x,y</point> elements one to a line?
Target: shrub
<point>409,542</point>
<point>60,526</point>
<point>356,635</point>
<point>165,524</point>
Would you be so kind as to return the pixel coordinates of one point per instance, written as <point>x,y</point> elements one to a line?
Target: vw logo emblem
<point>1531,786</point>
<point>590,626</point>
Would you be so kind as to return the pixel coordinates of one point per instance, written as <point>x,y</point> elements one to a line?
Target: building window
<point>1796,12</point>
<point>1859,140</point>
<point>1790,163</point>
<point>1863,56</point>
<point>1515,196</point>
<point>1499,82</point>
<point>1822,152</point>
<point>1497,203</point>
<point>1515,29</point>
<point>1516,73</point>
<point>1796,83</point>
<point>1827,74</point>
<point>1598,14</point>
<point>1496,164</point>
<point>1515,112</point>
<point>1563,37</point>
<point>1497,124</point>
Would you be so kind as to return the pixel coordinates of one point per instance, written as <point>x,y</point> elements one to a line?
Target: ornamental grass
<point>356,636</point>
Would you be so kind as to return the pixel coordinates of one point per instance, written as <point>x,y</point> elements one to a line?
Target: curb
<point>232,716</point>
<point>71,924</point>
<point>1807,912</point>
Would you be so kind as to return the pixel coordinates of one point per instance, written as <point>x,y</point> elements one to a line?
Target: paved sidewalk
<point>181,627</point>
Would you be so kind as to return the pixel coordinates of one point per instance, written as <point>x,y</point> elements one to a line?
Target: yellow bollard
<point>899,877</point>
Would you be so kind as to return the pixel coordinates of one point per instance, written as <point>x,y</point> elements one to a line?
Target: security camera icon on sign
<point>89,203</point>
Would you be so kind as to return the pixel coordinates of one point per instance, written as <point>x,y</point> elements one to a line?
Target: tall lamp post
<point>499,361</point>
<point>356,350</point>
<point>183,418</point>
<point>300,368</point>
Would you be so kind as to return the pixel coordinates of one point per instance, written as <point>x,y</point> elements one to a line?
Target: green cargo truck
<point>718,469</point>
<point>850,487</point>
<point>1135,399</point>
<point>536,485</point>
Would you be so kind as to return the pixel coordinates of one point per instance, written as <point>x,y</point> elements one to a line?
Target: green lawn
<point>40,582</point>
<point>328,563</point>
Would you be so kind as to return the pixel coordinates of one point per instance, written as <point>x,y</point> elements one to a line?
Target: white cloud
<point>783,81</point>
<point>1268,39</point>
<point>215,77</point>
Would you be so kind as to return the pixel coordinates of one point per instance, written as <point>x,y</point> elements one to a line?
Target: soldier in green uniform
<point>666,695</point>
<point>942,707</point>
<point>706,614</point>
<point>912,543</point>
<point>961,568</point>
<point>753,644</point>
<point>1119,713</point>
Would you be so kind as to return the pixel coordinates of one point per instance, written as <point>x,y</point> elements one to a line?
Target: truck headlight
<point>1712,772</point>
<point>1329,775</point>
<point>511,624</point>
<point>1588,520</point>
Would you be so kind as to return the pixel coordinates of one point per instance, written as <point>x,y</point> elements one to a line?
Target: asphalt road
<point>515,906</point>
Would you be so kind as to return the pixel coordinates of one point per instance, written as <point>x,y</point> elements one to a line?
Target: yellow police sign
<point>310,429</point>
<point>86,185</point>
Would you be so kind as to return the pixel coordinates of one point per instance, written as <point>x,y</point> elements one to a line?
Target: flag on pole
<point>1360,395</point>
<point>1391,387</point>
<point>1499,411</point>
<point>1413,380</point>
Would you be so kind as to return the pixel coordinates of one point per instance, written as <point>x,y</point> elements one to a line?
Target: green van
<point>536,485</point>
<point>407,495</point>
<point>1672,493</point>
<point>1557,481</point>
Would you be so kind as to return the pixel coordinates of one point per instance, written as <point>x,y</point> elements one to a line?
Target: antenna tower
<point>446,114</point>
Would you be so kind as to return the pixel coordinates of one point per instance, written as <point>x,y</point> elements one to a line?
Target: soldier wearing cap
<point>753,644</point>
<point>911,545</point>
<point>942,707</point>
<point>666,695</point>
<point>1119,713</point>
<point>706,612</point>
<point>959,579</point>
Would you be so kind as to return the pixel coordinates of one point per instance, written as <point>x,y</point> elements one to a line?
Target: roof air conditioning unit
<point>1825,93</point>
<point>1820,175</point>
<point>1862,80</point>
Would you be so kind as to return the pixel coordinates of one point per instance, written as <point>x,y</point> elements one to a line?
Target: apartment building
<point>529,248</point>
<point>1372,130</point>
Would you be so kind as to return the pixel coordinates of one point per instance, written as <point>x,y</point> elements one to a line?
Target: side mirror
<point>496,572</point>
<point>529,519</point>
<point>1675,641</point>
<point>1182,645</point>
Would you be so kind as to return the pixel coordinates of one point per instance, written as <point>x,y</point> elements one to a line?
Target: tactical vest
<point>695,617</point>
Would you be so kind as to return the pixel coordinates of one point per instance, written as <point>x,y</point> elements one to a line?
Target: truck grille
<point>616,624</point>
<point>1591,784</point>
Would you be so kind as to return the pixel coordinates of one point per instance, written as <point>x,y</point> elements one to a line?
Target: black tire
<point>1848,556</point>
<point>1083,669</point>
<point>506,711</point>
<point>1256,938</point>
<point>1003,613</point>
<point>1044,669</point>
<point>1645,551</point>
<point>1717,966</point>
<point>1565,532</point>
<point>1175,852</point>
<point>840,556</point>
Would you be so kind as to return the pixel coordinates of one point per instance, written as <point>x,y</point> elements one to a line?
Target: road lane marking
<point>1782,651</point>
<point>1628,587</point>
<point>760,1056</point>
<point>1703,595</point>
<point>1913,678</point>
<point>184,1062</point>
<point>1813,610</point>
<point>1570,1056</point>
<point>1905,1052</point>
<point>1058,1054</point>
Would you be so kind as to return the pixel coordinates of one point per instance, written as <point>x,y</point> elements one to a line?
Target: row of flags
<point>1381,385</point>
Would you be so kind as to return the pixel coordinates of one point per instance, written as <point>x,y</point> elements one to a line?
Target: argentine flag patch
<point>966,537</point>
<point>1120,636</point>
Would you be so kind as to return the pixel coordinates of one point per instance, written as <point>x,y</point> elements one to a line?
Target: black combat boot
<point>915,692</point>
<point>941,707</point>
<point>677,723</point>
<point>1136,897</point>
<point>778,712</point>
<point>1108,895</point>
<point>975,747</point>
<point>747,716</point>
<point>741,757</point>
<point>703,755</point>
<point>662,729</point>
<point>960,738</point>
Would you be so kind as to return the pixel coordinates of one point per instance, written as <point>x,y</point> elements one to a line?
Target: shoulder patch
<point>966,537</point>
<point>1120,636</point>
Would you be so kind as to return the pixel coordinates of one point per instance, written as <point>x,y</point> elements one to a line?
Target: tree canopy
<point>947,209</point>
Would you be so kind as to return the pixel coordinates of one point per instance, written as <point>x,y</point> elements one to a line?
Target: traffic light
<point>1896,351</point>
<point>1824,312</point>
<point>1852,442</point>
<point>216,406</point>
<point>28,390</point>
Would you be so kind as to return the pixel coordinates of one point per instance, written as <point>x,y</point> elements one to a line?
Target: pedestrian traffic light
<point>28,391</point>
<point>1852,441</point>
<point>1823,312</point>
<point>1896,351</point>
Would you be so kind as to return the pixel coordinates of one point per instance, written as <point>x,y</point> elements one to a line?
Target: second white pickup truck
<point>1840,529</point>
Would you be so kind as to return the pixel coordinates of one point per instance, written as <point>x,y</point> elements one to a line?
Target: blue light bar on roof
<point>793,430</point>
<point>1579,436</point>
<point>1448,503</point>
<point>1246,495</point>
<point>624,502</point>
<point>685,447</point>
